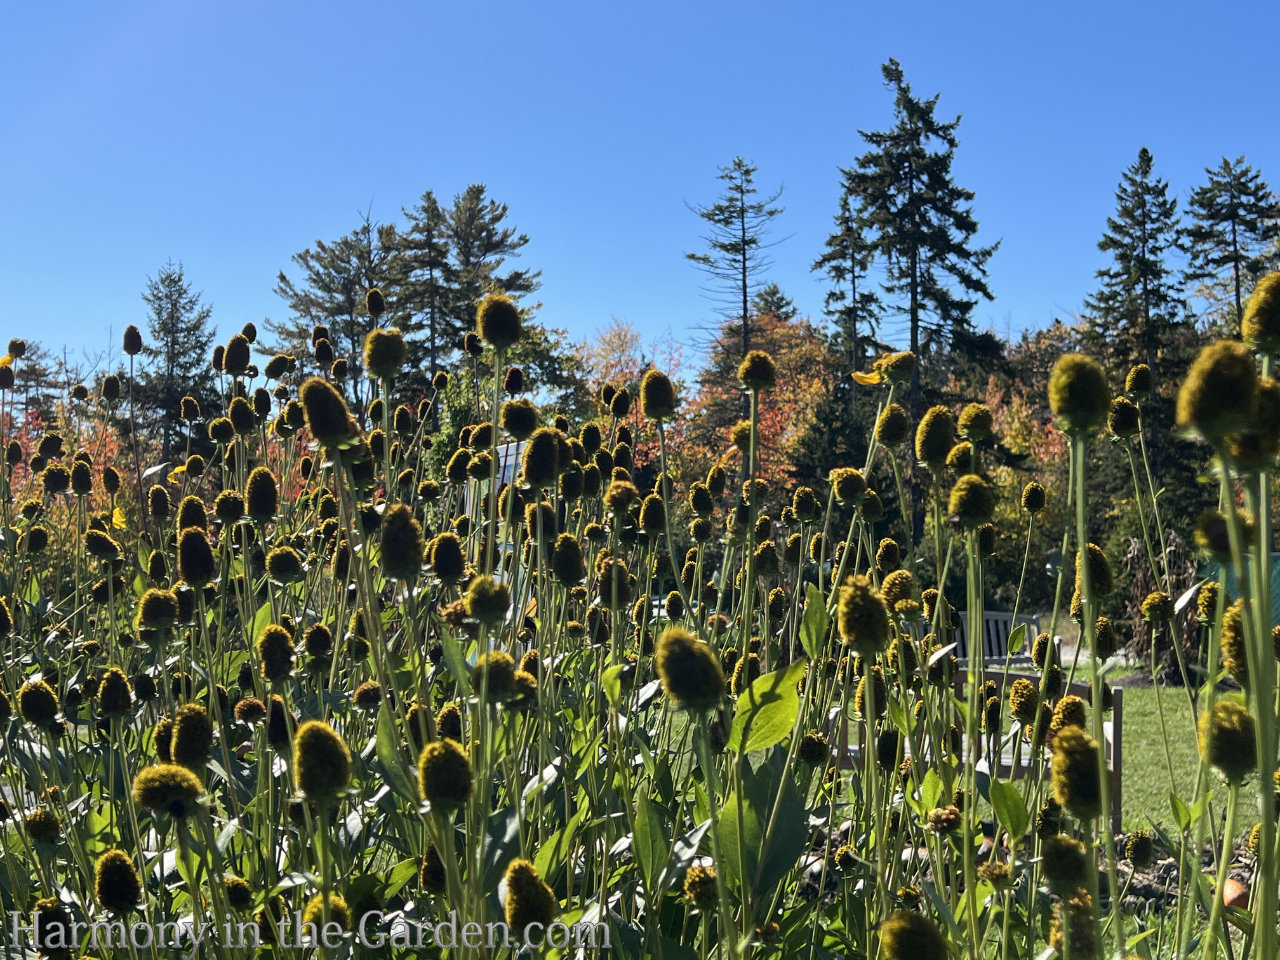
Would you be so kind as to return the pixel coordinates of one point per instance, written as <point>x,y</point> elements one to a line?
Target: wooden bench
<point>850,734</point>
<point>997,627</point>
<point>1112,730</point>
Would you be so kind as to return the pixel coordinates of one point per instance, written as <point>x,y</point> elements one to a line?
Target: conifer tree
<point>1137,314</point>
<point>336,278</point>
<point>852,304</point>
<point>481,243</point>
<point>736,239</point>
<point>424,278</point>
<point>1231,239</point>
<point>920,221</point>
<point>175,361</point>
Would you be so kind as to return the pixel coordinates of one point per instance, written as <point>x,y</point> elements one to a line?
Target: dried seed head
<point>444,775</point>
<point>691,674</point>
<point>384,352</point>
<point>132,340</point>
<point>1228,740</point>
<point>1139,849</point>
<point>700,886</point>
<point>1220,394</point>
<point>530,901</point>
<point>657,396</point>
<point>758,371</point>
<point>1122,418</point>
<point>1075,773</point>
<point>262,496</point>
<point>167,788</point>
<point>1033,497</point>
<point>1064,864</point>
<point>115,698</point>
<point>321,761</point>
<point>498,321</point>
<point>403,549</point>
<point>38,704</point>
<point>446,557</point>
<point>196,565</point>
<point>235,358</point>
<point>892,426</point>
<point>192,741</point>
<point>275,652</point>
<point>339,912</point>
<point>116,883</point>
<point>1260,325</point>
<point>519,418</point>
<point>907,935</point>
<point>976,422</point>
<point>1078,393</point>
<point>487,600</point>
<point>863,617</point>
<point>972,501</point>
<point>1101,581</point>
<point>327,415</point>
<point>935,436</point>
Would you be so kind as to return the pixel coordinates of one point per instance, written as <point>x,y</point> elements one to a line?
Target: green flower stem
<point>1089,614</point>
<point>1215,929</point>
<point>702,744</point>
<point>973,743</point>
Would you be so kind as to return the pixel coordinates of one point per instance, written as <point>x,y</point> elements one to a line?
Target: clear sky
<point>231,135</point>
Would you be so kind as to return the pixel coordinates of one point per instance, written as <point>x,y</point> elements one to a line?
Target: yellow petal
<point>867,379</point>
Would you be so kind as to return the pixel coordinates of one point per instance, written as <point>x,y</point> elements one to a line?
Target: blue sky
<point>229,136</point>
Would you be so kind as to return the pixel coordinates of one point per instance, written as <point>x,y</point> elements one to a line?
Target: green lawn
<point>1146,769</point>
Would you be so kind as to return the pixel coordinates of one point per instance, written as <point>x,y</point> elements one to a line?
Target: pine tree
<point>1137,314</point>
<point>921,220</point>
<point>175,361</point>
<point>771,300</point>
<point>851,304</point>
<point>481,244</point>
<point>1231,240</point>
<point>424,277</point>
<point>737,239</point>
<point>336,279</point>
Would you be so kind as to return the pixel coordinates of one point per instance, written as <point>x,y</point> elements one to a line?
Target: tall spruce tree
<point>1138,314</point>
<point>482,242</point>
<point>851,304</point>
<point>771,300</point>
<point>921,221</point>
<point>175,361</point>
<point>336,277</point>
<point>737,238</point>
<point>1231,239</point>
<point>424,278</point>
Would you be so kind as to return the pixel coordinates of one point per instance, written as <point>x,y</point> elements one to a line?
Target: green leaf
<point>815,623</point>
<point>1010,807</point>
<point>400,875</point>
<point>766,852</point>
<point>766,713</point>
<point>551,856</point>
<point>611,680</point>
<point>261,619</point>
<point>387,747</point>
<point>456,660</point>
<point>1017,639</point>
<point>931,789</point>
<point>1181,815</point>
<point>650,844</point>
